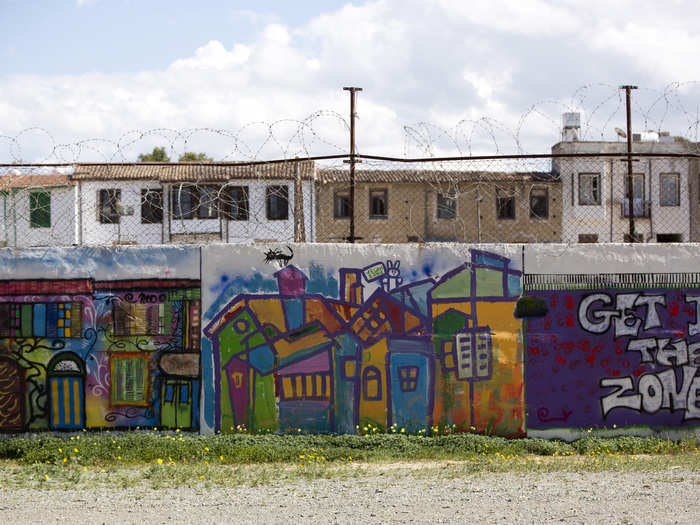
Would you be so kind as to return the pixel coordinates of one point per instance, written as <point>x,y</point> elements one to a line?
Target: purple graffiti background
<point>565,363</point>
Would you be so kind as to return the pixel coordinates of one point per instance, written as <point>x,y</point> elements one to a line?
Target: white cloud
<point>491,75</point>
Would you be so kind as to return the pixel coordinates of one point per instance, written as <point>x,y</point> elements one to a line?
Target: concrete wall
<point>540,340</point>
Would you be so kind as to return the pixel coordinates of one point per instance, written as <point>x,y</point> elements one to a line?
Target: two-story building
<point>423,206</point>
<point>596,189</point>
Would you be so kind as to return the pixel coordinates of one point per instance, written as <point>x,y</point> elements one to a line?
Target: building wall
<point>532,339</point>
<point>606,220</point>
<point>15,226</point>
<point>131,229</point>
<point>413,214</point>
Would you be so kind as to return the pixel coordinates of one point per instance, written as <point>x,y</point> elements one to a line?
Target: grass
<point>173,458</point>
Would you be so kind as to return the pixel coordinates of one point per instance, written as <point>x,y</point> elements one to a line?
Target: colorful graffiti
<point>388,349</point>
<point>80,353</point>
<point>334,338</point>
<point>614,357</point>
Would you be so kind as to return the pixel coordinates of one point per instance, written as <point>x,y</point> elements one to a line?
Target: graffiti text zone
<point>630,315</point>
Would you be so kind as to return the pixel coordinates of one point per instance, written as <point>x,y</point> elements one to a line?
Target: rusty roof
<point>53,180</point>
<point>330,176</point>
<point>193,171</point>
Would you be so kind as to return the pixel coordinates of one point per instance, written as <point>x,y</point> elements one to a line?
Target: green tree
<point>158,155</point>
<point>190,156</point>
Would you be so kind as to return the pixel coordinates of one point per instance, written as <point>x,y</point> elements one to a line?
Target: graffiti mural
<point>83,353</point>
<point>329,348</point>
<point>618,355</point>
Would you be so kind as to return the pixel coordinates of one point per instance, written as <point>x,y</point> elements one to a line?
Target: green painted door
<point>176,403</point>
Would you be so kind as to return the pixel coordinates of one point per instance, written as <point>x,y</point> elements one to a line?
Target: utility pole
<point>353,160</point>
<point>630,188</point>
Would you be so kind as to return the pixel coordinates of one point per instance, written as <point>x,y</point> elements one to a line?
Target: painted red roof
<point>140,284</point>
<point>46,287</point>
<point>10,182</point>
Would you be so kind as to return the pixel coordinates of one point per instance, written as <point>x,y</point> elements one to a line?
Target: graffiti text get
<point>627,313</point>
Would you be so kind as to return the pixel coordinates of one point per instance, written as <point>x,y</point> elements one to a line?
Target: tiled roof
<point>193,171</point>
<point>328,176</point>
<point>46,287</point>
<point>10,182</point>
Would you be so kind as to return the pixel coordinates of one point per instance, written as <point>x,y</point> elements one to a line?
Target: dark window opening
<point>277,203</point>
<point>539,203</point>
<point>109,206</point>
<point>234,204</point>
<point>670,189</point>
<point>208,202</point>
<point>151,206</point>
<point>184,201</point>
<point>341,205</point>
<point>669,237</point>
<point>40,209</point>
<point>446,206</point>
<point>505,205</point>
<point>588,189</point>
<point>588,238</point>
<point>378,204</point>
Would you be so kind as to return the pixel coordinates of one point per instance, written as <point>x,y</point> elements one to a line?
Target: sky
<point>105,80</point>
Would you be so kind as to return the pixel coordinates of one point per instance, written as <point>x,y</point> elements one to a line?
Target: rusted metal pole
<point>353,160</point>
<point>630,187</point>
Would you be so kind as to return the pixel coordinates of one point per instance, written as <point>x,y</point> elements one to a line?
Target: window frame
<point>241,205</point>
<point>371,374</point>
<point>534,215</point>
<point>38,211</point>
<point>499,197</point>
<point>208,197</point>
<point>677,201</point>
<point>151,209</point>
<point>109,198</point>
<point>121,357</point>
<point>385,193</point>
<point>451,199</point>
<point>176,200</point>
<point>597,201</point>
<point>337,196</point>
<point>275,191</point>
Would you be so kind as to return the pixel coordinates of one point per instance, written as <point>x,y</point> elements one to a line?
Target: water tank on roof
<point>571,120</point>
<point>571,126</point>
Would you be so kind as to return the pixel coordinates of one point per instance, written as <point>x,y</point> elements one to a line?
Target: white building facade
<point>37,210</point>
<point>596,197</point>
<point>193,203</point>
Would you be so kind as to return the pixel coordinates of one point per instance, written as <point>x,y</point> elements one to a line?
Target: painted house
<point>431,351</point>
<point>36,210</point>
<point>193,202</point>
<point>83,354</point>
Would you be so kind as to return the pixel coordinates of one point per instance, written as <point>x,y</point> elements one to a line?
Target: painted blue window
<point>168,394</point>
<point>184,394</point>
<point>514,286</point>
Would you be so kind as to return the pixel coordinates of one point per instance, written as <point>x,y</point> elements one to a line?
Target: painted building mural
<point>81,353</point>
<point>333,338</point>
<point>384,343</point>
<point>614,350</point>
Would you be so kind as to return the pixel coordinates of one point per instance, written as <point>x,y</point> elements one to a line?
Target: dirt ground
<point>381,495</point>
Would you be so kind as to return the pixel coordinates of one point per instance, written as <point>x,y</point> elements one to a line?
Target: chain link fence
<point>565,197</point>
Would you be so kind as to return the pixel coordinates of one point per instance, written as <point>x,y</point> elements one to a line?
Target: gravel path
<point>400,496</point>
